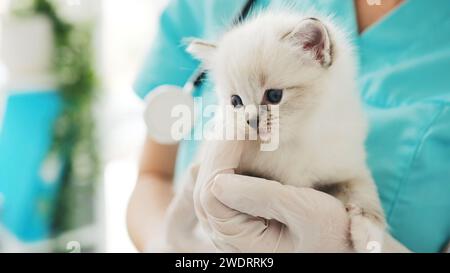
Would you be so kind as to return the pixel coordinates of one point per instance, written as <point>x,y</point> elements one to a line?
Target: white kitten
<point>305,67</point>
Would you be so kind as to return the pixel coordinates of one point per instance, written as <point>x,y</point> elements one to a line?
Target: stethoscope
<point>160,103</point>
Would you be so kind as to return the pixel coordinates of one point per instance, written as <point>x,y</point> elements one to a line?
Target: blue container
<point>25,140</point>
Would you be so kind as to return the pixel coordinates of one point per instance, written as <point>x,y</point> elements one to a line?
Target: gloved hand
<point>180,232</point>
<point>302,219</point>
<point>218,157</point>
<point>247,214</point>
<point>271,217</point>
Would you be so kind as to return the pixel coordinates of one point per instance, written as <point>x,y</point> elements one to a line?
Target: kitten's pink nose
<point>253,122</point>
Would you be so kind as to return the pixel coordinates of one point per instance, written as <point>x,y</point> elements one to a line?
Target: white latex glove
<point>181,232</point>
<point>247,214</point>
<point>271,217</point>
<point>218,157</point>
<point>306,220</point>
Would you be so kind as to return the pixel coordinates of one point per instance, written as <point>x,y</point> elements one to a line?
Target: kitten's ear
<point>312,36</point>
<point>202,50</point>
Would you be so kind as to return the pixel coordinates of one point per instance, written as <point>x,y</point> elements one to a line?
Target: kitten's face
<point>273,63</point>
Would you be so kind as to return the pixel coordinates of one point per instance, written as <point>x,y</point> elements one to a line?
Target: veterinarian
<point>405,86</point>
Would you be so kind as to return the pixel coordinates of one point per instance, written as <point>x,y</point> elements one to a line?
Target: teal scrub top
<point>404,79</point>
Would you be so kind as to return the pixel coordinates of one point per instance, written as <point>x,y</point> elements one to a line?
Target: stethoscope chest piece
<point>167,114</point>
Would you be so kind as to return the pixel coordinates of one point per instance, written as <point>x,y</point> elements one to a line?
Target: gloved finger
<point>245,233</point>
<point>218,156</point>
<point>231,230</point>
<point>272,200</point>
<point>212,206</point>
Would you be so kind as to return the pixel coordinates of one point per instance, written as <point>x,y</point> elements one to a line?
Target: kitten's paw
<point>365,233</point>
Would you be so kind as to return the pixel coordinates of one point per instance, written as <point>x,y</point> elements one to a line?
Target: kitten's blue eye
<point>274,96</point>
<point>236,101</point>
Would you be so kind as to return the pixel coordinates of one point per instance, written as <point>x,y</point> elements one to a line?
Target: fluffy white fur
<point>321,122</point>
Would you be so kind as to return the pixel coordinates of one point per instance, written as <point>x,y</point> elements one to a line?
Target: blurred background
<point>66,74</point>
